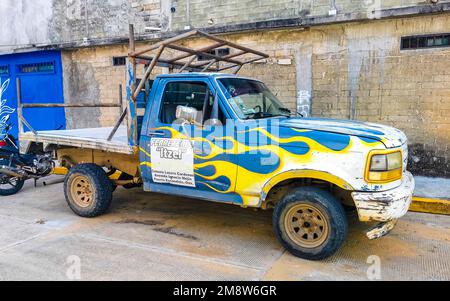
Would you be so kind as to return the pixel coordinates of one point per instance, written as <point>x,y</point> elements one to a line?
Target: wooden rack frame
<point>214,64</point>
<point>188,60</point>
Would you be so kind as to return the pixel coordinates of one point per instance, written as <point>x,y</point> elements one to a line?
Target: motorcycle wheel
<point>10,185</point>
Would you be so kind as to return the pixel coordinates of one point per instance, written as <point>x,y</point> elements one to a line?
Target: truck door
<point>188,158</point>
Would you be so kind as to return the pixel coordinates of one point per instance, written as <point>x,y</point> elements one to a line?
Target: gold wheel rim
<point>81,191</point>
<point>306,225</point>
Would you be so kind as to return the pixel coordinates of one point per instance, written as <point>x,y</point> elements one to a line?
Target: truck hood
<point>389,136</point>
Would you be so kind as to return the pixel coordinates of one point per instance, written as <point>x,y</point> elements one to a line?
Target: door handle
<point>198,151</point>
<point>157,133</point>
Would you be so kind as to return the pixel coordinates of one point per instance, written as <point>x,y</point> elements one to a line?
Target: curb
<point>429,205</point>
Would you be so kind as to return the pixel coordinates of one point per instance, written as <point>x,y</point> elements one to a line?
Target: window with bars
<point>4,70</point>
<point>218,52</point>
<point>46,67</point>
<point>425,41</point>
<point>119,60</point>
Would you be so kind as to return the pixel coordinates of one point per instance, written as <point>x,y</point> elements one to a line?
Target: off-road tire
<point>13,190</point>
<point>328,206</point>
<point>101,189</point>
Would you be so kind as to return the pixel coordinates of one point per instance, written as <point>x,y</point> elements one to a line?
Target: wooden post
<point>189,62</point>
<point>20,119</point>
<point>236,71</point>
<point>123,114</point>
<point>147,73</point>
<point>131,108</point>
<point>121,98</point>
<point>209,65</point>
<point>116,126</point>
<point>19,107</point>
<point>132,50</point>
<point>70,105</point>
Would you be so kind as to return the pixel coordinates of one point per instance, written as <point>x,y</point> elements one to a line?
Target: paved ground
<point>432,187</point>
<point>154,237</point>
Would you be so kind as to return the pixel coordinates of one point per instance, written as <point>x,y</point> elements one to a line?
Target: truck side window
<point>191,94</point>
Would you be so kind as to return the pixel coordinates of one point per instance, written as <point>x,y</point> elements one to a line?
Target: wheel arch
<point>304,177</point>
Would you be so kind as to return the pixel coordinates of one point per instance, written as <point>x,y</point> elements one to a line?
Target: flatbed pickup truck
<point>226,138</point>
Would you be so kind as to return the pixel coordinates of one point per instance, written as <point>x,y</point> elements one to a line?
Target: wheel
<point>88,190</point>
<point>310,223</point>
<point>10,185</point>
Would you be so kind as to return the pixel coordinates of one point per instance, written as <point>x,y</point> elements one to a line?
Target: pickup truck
<point>227,138</point>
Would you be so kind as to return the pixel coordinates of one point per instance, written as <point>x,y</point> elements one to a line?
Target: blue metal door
<point>40,74</point>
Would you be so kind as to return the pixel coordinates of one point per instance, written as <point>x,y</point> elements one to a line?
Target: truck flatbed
<point>93,138</point>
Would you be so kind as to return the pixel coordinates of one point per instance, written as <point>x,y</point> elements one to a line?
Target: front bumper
<point>387,205</point>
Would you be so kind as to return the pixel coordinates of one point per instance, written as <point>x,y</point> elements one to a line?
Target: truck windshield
<point>251,99</point>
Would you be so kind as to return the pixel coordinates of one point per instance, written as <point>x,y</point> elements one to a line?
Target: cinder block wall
<point>353,70</point>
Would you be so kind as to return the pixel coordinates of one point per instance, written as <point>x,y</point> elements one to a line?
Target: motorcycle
<point>16,168</point>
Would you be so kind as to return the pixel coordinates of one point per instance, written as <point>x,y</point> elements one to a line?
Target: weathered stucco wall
<point>15,27</point>
<point>70,23</point>
<point>342,71</point>
<point>29,23</point>
<point>200,13</point>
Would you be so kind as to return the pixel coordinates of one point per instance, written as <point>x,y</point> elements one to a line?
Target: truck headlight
<point>384,166</point>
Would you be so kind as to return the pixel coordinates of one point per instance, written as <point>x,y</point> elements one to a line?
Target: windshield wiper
<point>290,112</point>
<point>285,110</point>
<point>263,115</point>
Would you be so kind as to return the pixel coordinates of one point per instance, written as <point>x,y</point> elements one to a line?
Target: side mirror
<point>213,122</point>
<point>187,113</point>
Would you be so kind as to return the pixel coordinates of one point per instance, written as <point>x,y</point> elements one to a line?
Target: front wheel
<point>310,223</point>
<point>88,190</point>
<point>10,185</point>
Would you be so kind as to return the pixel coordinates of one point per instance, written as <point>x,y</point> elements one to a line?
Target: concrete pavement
<point>149,236</point>
<point>434,188</point>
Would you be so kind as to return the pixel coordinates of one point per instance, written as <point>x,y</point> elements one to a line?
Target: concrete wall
<point>86,22</point>
<point>48,22</point>
<point>200,13</point>
<point>16,29</point>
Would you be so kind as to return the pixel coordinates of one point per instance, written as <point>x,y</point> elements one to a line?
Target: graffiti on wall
<point>304,103</point>
<point>373,9</point>
<point>5,110</point>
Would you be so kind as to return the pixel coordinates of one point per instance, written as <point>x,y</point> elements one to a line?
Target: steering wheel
<point>259,109</point>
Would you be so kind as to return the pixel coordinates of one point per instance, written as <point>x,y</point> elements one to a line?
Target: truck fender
<point>303,173</point>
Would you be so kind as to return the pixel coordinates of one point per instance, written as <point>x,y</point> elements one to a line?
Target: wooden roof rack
<point>189,58</point>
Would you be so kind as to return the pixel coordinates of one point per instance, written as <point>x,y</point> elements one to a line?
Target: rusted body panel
<point>381,229</point>
<point>128,163</point>
<point>386,205</point>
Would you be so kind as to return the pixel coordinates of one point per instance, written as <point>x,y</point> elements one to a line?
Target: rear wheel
<point>88,190</point>
<point>310,223</point>
<point>10,185</point>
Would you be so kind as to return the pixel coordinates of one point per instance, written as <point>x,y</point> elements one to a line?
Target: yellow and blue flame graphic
<point>242,166</point>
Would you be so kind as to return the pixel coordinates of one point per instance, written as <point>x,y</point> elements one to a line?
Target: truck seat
<point>168,113</point>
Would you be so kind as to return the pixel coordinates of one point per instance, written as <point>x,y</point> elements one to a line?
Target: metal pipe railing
<point>22,121</point>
